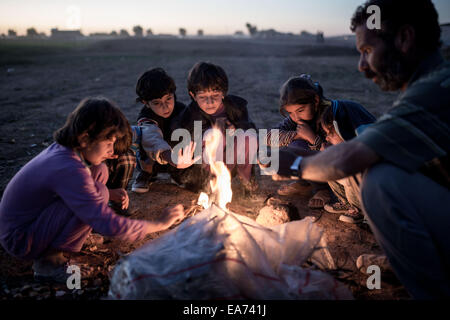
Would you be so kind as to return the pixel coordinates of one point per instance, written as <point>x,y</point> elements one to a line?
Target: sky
<point>214,17</point>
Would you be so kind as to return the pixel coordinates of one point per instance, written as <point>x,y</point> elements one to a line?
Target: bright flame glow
<point>203,200</point>
<point>221,184</point>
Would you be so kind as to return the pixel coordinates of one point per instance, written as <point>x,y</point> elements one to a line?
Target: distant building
<point>66,34</point>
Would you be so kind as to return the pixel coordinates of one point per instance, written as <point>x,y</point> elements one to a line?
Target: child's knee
<point>100,173</point>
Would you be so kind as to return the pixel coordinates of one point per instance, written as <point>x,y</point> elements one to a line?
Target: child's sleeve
<point>86,199</point>
<point>287,131</point>
<point>153,143</point>
<point>351,119</point>
<point>284,138</point>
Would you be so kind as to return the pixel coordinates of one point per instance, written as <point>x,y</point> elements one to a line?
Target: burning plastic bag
<point>221,255</point>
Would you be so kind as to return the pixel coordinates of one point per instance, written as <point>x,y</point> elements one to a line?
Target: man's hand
<point>119,196</point>
<point>185,156</point>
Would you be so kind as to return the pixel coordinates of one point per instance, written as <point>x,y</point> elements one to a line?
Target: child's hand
<point>230,128</point>
<point>305,132</point>
<point>185,156</point>
<point>172,215</point>
<point>120,196</point>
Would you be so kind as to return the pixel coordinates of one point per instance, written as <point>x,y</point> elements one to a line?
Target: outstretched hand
<point>186,156</point>
<point>172,215</point>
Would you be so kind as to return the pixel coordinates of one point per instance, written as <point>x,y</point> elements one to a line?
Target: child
<point>302,102</point>
<point>208,87</point>
<point>54,201</point>
<point>156,90</point>
<point>120,170</point>
<point>342,123</point>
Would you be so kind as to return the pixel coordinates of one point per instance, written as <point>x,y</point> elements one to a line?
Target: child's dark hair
<point>154,84</point>
<point>327,118</point>
<point>101,119</point>
<point>204,76</point>
<point>301,90</point>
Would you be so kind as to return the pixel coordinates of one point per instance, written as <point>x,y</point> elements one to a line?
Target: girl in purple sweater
<point>54,202</point>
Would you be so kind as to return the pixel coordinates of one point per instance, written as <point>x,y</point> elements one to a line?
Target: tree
<point>124,33</point>
<point>113,33</point>
<point>149,32</point>
<point>31,32</point>
<point>12,33</point>
<point>138,31</point>
<point>200,32</point>
<point>182,32</point>
<point>252,30</point>
<point>319,37</point>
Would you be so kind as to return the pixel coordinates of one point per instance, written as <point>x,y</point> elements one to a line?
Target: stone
<point>277,212</point>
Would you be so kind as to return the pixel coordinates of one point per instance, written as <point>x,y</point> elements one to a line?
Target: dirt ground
<point>42,81</point>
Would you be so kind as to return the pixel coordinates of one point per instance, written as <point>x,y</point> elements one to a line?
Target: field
<point>42,81</point>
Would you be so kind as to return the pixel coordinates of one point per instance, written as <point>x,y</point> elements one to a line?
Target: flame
<point>221,184</point>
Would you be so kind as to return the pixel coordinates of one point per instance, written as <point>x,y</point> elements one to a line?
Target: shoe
<point>298,187</point>
<point>366,260</point>
<point>319,199</point>
<point>352,216</point>
<point>142,182</point>
<point>337,207</point>
<point>50,273</point>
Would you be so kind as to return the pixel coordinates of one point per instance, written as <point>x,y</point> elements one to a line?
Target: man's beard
<point>393,70</point>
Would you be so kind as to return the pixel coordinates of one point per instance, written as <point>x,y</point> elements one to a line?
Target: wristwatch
<point>296,166</point>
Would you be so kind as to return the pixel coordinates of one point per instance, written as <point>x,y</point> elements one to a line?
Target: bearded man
<point>404,156</point>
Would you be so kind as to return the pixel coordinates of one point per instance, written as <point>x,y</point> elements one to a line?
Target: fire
<point>221,184</point>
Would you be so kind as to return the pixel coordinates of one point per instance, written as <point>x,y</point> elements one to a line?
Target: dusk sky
<point>214,17</point>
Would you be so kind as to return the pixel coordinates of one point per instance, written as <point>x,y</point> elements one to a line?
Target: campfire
<point>221,193</point>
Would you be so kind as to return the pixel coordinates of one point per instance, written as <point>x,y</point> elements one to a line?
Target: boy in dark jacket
<point>156,90</point>
<point>211,105</point>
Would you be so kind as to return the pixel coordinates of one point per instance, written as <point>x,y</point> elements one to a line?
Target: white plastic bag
<point>221,255</point>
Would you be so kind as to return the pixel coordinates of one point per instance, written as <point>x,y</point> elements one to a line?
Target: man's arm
<point>338,162</point>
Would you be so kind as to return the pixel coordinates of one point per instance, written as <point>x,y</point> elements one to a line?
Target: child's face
<point>332,136</point>
<point>209,100</point>
<point>300,112</point>
<point>98,151</point>
<point>163,106</point>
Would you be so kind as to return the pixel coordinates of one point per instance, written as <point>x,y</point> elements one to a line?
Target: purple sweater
<point>58,172</point>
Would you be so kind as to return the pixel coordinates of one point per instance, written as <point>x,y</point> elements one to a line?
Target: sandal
<point>337,207</point>
<point>298,187</point>
<point>323,196</point>
<point>353,215</point>
<point>366,260</point>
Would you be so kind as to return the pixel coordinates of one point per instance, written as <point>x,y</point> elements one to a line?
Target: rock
<point>33,294</point>
<point>18,296</point>
<point>277,212</point>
